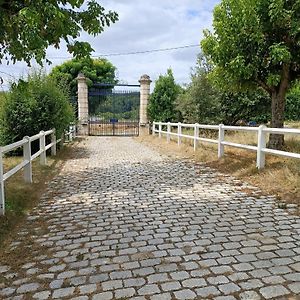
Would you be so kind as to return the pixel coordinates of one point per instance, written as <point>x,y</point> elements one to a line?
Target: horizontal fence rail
<point>28,157</point>
<point>261,131</point>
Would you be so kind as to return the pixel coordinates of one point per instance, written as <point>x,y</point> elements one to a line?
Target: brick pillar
<point>144,98</point>
<point>83,104</point>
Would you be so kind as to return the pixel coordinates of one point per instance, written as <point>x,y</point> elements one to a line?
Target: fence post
<point>27,156</point>
<point>168,132</point>
<point>261,144</point>
<point>43,160</point>
<point>53,142</point>
<point>2,195</point>
<point>221,139</point>
<point>159,129</point>
<point>153,129</point>
<point>179,133</point>
<point>196,135</point>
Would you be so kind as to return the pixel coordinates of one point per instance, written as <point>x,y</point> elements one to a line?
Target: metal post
<point>220,141</point>
<point>159,130</point>
<point>196,135</point>
<point>62,140</point>
<point>70,134</point>
<point>179,133</point>
<point>153,129</point>
<point>67,136</point>
<point>53,142</point>
<point>27,157</point>
<point>261,145</point>
<point>2,194</point>
<point>43,160</point>
<point>74,131</point>
<point>168,132</point>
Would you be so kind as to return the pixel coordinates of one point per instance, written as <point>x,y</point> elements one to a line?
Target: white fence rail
<point>261,131</point>
<point>26,163</point>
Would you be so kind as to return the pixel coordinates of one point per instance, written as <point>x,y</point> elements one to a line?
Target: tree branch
<point>267,88</point>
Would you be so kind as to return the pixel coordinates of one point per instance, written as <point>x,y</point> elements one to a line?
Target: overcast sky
<point>142,26</point>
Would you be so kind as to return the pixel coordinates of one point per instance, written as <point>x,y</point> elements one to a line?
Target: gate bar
<point>111,84</point>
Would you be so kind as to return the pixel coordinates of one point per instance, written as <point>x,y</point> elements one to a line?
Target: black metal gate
<point>114,110</point>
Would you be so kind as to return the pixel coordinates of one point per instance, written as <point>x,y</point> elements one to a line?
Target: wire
<point>133,53</point>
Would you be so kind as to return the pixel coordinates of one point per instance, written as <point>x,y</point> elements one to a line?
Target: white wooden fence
<point>26,163</point>
<point>261,131</point>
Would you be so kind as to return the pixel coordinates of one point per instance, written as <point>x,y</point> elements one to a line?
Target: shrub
<point>38,103</point>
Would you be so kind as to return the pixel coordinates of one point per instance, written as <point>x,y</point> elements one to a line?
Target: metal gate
<point>114,110</point>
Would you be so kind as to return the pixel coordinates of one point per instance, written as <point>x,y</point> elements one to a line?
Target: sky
<point>142,26</point>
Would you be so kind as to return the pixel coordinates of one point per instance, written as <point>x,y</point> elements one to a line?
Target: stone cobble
<point>121,221</point>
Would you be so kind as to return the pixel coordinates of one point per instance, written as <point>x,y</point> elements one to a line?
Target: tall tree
<point>95,70</point>
<point>200,101</point>
<point>29,27</point>
<point>204,102</point>
<point>257,43</point>
<point>161,105</point>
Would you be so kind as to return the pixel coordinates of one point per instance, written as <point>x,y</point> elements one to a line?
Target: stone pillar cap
<point>80,76</point>
<point>145,79</point>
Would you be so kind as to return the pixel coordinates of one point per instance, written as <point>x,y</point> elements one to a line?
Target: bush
<point>38,103</point>
<point>94,69</point>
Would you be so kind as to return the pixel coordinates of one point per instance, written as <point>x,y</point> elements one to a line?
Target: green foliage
<point>256,43</point>
<point>3,96</point>
<point>122,106</point>
<point>95,70</point>
<point>39,103</point>
<point>161,105</point>
<point>246,106</point>
<point>253,41</point>
<point>205,103</point>
<point>122,116</point>
<point>292,111</point>
<point>200,101</point>
<point>28,28</point>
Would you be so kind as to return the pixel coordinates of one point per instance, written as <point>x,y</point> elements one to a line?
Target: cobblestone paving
<point>122,222</point>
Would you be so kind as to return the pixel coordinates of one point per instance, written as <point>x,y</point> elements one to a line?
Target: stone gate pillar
<point>83,104</point>
<point>144,98</point>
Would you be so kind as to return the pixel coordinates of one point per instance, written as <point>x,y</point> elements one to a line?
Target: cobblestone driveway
<point>122,222</point>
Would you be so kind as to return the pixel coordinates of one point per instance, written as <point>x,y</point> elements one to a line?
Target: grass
<point>21,197</point>
<point>281,177</point>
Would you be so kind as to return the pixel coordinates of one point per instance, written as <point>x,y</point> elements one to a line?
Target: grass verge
<point>21,197</point>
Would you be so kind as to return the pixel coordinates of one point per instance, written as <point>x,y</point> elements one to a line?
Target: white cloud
<point>145,25</point>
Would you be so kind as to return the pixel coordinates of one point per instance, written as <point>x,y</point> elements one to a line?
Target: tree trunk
<point>276,141</point>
